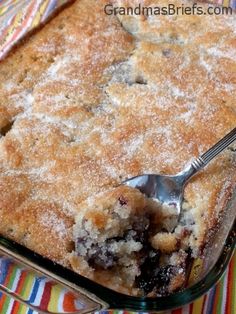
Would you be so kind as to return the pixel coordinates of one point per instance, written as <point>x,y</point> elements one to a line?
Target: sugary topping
<point>84,105</point>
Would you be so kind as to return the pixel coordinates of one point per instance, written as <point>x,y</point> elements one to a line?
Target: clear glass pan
<point>204,274</point>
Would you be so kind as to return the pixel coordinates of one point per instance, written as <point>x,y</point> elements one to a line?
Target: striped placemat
<point>39,291</point>
<point>18,17</point>
<point>52,298</point>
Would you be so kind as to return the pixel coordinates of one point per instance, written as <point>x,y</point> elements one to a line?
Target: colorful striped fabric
<point>39,291</point>
<point>18,17</point>
<point>226,3</point>
<point>46,295</point>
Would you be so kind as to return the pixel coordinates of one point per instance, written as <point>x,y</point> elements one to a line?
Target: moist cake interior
<point>123,234</point>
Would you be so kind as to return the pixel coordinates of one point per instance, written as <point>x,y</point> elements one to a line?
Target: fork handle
<point>205,158</point>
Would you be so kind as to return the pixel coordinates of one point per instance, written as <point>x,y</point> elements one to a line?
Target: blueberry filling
<point>156,279</point>
<point>154,276</point>
<point>101,255</point>
<point>166,52</point>
<point>122,201</point>
<point>97,255</point>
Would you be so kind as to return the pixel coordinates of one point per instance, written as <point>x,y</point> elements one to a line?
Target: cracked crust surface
<point>93,99</point>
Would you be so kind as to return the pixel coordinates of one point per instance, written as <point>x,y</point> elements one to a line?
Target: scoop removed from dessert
<point>169,189</point>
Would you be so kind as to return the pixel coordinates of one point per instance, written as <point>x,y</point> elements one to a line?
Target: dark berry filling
<point>153,276</point>
<point>166,52</point>
<point>101,255</point>
<point>122,201</point>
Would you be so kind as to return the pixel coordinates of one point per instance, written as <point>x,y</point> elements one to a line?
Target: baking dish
<point>204,273</point>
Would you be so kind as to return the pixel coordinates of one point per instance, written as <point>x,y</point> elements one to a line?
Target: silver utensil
<point>169,189</point>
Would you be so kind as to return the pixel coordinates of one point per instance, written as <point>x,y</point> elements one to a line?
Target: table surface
<point>221,299</point>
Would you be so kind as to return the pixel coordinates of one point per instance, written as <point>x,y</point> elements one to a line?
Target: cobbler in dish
<point>91,100</point>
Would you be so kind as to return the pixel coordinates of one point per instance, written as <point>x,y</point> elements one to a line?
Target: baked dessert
<point>93,99</point>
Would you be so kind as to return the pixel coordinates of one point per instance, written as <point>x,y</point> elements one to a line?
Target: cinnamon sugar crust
<point>91,100</point>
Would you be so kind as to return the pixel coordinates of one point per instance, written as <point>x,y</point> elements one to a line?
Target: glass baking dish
<point>204,273</point>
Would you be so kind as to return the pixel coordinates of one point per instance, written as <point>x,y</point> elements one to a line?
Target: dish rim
<point>108,298</point>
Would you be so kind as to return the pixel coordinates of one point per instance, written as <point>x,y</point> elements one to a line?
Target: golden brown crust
<point>40,148</point>
<point>93,105</point>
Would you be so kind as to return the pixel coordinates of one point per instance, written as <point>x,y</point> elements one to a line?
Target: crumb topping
<point>91,100</point>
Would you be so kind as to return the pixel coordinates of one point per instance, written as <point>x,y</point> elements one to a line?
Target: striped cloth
<point>18,17</point>
<point>48,296</point>
<point>39,291</point>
